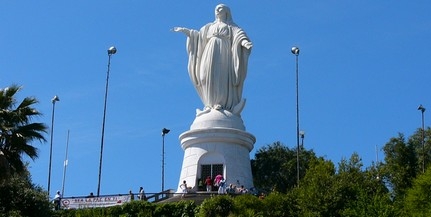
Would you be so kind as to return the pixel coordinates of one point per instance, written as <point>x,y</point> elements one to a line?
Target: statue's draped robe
<point>218,64</point>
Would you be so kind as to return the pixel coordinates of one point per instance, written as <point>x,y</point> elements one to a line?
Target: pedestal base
<point>210,151</point>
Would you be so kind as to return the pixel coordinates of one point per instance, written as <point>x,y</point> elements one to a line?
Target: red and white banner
<point>91,202</point>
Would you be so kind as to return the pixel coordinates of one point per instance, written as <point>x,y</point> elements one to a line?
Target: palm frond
<point>17,131</point>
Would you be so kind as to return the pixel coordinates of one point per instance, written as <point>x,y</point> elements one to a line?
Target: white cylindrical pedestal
<point>217,146</point>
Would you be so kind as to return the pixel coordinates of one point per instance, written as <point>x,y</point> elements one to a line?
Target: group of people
<point>220,183</point>
<point>141,194</point>
<point>233,189</point>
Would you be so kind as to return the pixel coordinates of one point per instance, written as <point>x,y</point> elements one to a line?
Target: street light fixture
<point>112,50</point>
<point>164,132</point>
<point>422,109</point>
<point>302,135</point>
<point>295,51</point>
<point>53,100</point>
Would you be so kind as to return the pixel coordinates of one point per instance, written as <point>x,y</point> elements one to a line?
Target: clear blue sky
<point>364,69</point>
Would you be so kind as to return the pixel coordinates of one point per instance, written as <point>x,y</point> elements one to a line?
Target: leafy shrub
<point>19,197</point>
<point>278,204</point>
<point>180,209</point>
<point>248,205</point>
<point>216,206</point>
<point>133,209</point>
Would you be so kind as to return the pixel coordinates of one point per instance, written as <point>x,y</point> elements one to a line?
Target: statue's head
<point>223,9</point>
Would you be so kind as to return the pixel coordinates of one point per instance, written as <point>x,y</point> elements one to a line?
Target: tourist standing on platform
<point>184,188</point>
<point>231,189</point>
<point>57,201</point>
<point>132,196</point>
<point>209,183</point>
<point>222,186</point>
<point>217,179</point>
<point>142,195</point>
<point>243,190</point>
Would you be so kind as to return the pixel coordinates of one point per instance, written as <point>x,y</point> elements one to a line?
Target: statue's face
<point>220,12</point>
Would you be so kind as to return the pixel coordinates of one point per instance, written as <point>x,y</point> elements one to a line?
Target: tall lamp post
<point>295,51</point>
<point>112,50</point>
<point>377,163</point>
<point>164,132</point>
<point>53,100</point>
<point>422,109</point>
<point>65,164</point>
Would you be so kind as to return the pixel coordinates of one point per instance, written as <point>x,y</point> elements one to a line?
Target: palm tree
<point>17,131</point>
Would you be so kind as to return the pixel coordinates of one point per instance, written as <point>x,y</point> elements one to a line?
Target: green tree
<point>248,205</point>
<point>274,167</point>
<point>349,181</point>
<point>216,206</point>
<point>418,198</point>
<point>346,191</point>
<point>423,151</point>
<point>361,192</point>
<point>17,131</point>
<point>19,197</point>
<point>401,165</point>
<point>279,204</point>
<point>316,195</point>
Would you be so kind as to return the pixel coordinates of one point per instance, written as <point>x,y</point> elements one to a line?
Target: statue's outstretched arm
<point>186,31</point>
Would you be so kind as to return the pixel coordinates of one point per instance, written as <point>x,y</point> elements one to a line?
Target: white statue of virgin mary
<point>218,57</point>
